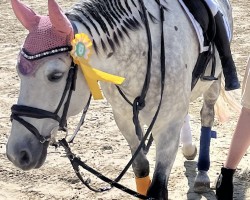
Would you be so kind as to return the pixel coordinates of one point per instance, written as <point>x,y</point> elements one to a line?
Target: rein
<point>138,104</point>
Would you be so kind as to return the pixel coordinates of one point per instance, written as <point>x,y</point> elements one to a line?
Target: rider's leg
<point>223,46</point>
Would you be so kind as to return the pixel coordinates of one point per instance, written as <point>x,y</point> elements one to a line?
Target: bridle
<point>19,111</point>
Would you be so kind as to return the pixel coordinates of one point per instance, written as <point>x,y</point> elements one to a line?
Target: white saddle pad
<point>198,28</point>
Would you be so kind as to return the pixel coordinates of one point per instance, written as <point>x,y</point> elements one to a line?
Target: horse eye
<point>55,76</point>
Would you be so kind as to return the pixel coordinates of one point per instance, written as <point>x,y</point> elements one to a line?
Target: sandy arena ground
<point>100,142</point>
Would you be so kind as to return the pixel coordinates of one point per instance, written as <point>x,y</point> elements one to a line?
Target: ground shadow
<point>191,174</point>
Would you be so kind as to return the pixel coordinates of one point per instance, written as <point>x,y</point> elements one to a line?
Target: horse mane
<point>111,17</point>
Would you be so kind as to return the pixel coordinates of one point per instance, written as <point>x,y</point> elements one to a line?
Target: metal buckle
<point>44,139</point>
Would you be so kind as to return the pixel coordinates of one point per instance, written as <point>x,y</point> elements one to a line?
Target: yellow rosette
<point>81,52</point>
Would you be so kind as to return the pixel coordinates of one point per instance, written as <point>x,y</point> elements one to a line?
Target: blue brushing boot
<point>202,181</point>
<point>204,158</point>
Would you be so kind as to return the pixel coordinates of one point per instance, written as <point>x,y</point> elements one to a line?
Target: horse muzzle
<point>27,154</point>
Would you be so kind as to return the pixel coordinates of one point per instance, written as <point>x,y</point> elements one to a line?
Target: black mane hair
<point>108,15</point>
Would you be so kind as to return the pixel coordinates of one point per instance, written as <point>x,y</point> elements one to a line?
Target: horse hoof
<point>201,182</point>
<point>189,151</point>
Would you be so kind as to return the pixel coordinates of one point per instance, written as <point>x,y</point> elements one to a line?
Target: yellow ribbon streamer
<point>81,52</point>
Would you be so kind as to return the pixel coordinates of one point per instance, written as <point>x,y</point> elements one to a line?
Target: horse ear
<point>25,15</point>
<point>59,19</point>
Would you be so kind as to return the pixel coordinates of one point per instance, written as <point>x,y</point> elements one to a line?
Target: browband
<point>50,52</point>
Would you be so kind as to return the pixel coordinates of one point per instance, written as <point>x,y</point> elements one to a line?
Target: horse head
<point>43,67</point>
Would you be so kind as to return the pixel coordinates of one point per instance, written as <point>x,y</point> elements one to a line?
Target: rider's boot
<point>223,46</point>
<point>224,185</point>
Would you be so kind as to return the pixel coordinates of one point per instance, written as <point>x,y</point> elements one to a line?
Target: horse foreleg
<point>167,143</point>
<point>140,165</point>
<point>189,149</point>
<point>202,181</point>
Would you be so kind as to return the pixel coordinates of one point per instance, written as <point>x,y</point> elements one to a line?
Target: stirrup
<point>209,78</point>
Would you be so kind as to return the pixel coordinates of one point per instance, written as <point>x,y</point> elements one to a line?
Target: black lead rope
<point>139,102</point>
<point>76,162</point>
<point>137,106</point>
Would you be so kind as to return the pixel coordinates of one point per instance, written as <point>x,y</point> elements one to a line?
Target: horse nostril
<point>24,158</point>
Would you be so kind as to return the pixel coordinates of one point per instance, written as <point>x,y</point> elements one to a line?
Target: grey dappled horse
<point>120,45</point>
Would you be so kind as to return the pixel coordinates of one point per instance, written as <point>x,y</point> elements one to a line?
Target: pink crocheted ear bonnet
<point>45,33</point>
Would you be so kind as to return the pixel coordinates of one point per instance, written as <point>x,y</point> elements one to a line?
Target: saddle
<point>203,15</point>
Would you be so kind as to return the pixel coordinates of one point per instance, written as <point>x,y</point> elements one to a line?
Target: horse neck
<point>114,26</point>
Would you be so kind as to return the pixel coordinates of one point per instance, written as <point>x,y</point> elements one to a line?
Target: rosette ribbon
<point>81,52</point>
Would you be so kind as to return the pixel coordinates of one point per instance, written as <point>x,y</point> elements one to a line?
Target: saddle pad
<point>197,27</point>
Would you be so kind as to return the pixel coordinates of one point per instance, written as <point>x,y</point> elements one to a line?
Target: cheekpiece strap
<point>50,52</point>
